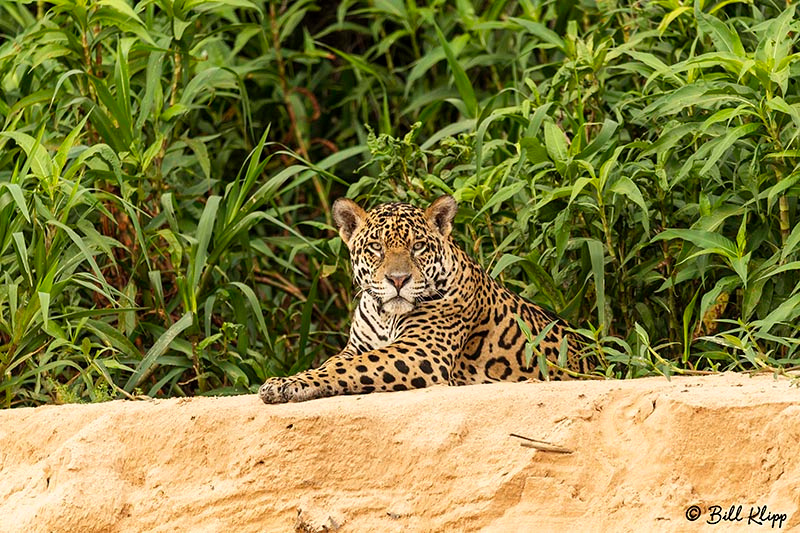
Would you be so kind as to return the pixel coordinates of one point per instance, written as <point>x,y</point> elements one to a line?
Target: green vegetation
<point>167,167</point>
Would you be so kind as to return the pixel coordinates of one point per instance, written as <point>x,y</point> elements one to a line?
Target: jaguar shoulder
<point>428,314</point>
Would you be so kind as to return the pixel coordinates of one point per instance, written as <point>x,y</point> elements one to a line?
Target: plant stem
<point>176,76</point>
<point>783,210</point>
<point>286,91</point>
<point>87,58</point>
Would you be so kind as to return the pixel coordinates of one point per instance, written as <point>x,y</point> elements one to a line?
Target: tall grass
<point>166,171</point>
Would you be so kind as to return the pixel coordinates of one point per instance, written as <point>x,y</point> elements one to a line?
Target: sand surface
<point>439,459</point>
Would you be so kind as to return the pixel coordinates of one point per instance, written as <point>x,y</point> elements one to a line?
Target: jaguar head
<point>400,253</point>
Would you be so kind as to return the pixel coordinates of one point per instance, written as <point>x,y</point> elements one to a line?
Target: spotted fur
<point>427,314</point>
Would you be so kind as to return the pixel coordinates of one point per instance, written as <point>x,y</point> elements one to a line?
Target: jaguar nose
<point>399,280</point>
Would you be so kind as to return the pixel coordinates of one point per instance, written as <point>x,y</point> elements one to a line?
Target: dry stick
<point>301,147</point>
<point>541,445</point>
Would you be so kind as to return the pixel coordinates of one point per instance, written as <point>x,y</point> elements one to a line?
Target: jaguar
<point>428,314</point>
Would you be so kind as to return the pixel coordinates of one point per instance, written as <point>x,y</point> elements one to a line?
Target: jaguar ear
<point>348,217</point>
<point>440,214</point>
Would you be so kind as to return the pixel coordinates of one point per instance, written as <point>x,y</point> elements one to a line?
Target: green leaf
<point>463,84</point>
<point>626,187</point>
<point>505,261</point>
<point>305,358</point>
<point>19,199</point>
<point>563,352</point>
<point>542,334</point>
<point>740,265</point>
<point>722,144</point>
<point>155,284</point>
<point>84,249</point>
<point>601,141</point>
<point>779,104</point>
<point>153,99</point>
<point>37,155</point>
<point>785,313</point>
<point>450,130</point>
<point>205,228</point>
<point>156,351</point>
<point>707,241</point>
<point>179,26</point>
<point>123,8</point>
<point>776,38</point>
<point>700,94</point>
<point>791,243</point>
<point>113,338</point>
<point>688,314</point>
<point>541,31</point>
<point>426,62</point>
<point>597,259</point>
<point>201,153</point>
<point>724,37</point>
<point>22,254</point>
<point>44,305</point>
<point>555,142</point>
<point>102,150</point>
<point>503,194</point>
<point>579,185</point>
<point>122,76</point>
<point>543,281</point>
<point>672,15</point>
<point>60,158</point>
<point>252,299</point>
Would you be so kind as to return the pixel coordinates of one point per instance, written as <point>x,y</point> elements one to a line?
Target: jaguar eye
<point>418,246</point>
<point>375,247</point>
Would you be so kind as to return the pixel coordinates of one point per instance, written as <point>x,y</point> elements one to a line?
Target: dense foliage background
<point>167,167</point>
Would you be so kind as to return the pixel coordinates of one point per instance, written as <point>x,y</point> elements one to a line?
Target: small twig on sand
<point>541,445</point>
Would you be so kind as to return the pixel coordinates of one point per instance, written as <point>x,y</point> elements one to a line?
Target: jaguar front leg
<point>399,366</point>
